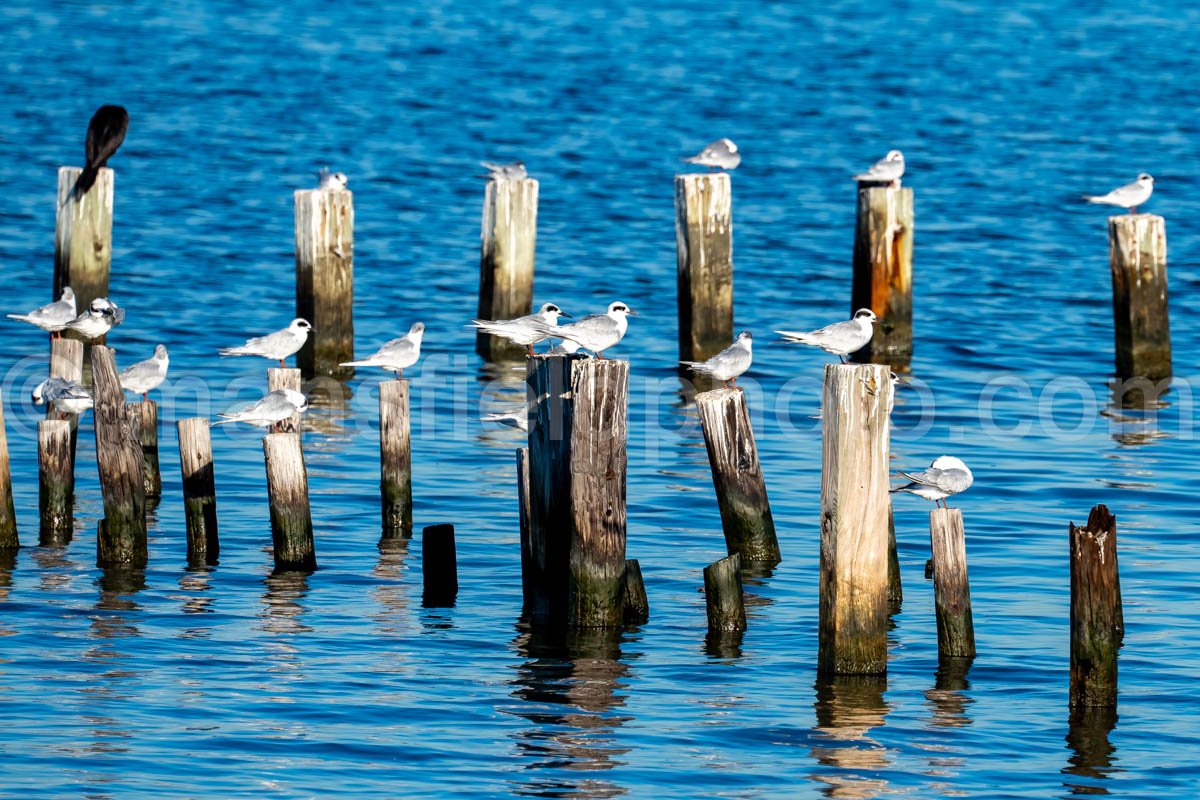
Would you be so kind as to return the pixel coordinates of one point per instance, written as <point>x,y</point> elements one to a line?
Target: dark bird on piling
<point>105,133</point>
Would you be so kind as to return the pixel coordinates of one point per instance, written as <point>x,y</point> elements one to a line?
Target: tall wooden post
<point>56,483</point>
<point>883,246</point>
<point>395,459</point>
<point>723,594</point>
<point>121,535</point>
<point>287,493</point>
<point>895,588</point>
<point>509,240</point>
<point>704,260</point>
<point>1097,622</point>
<point>528,580</point>
<point>737,476</point>
<point>325,279</point>
<point>83,237</point>
<point>66,362</point>
<point>8,514</point>
<point>577,461</point>
<point>852,632</point>
<point>951,587</point>
<point>143,416</point>
<point>439,566</point>
<point>1137,250</point>
<point>199,490</point>
<point>285,378</point>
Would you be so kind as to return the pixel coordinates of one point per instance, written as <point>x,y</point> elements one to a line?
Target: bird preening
<point>105,132</point>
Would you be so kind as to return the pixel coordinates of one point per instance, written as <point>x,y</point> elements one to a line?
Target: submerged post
<point>439,566</point>
<point>883,246</point>
<point>1137,250</point>
<point>855,429</point>
<point>143,417</point>
<point>199,490</point>
<point>285,378</point>
<point>1097,622</point>
<point>325,279</point>
<point>951,588</point>
<point>737,476</point>
<point>704,261</point>
<point>509,239</point>
<point>287,493</point>
<point>56,483</point>
<point>8,514</point>
<point>121,535</point>
<point>83,237</point>
<point>395,459</point>
<point>723,594</point>
<point>637,605</point>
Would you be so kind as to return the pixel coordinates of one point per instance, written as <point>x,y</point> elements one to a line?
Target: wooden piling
<point>723,594</point>
<point>121,535</point>
<point>8,514</point>
<point>951,588</point>
<point>637,605</point>
<point>285,378</point>
<point>83,237</point>
<point>895,588</point>
<point>56,483</point>
<point>143,416</point>
<point>509,240</point>
<point>66,362</point>
<point>395,459</point>
<point>439,566</point>
<point>527,570</point>
<point>852,631</point>
<point>737,476</point>
<point>577,462</point>
<point>1137,251</point>
<point>1097,621</point>
<point>287,492</point>
<point>199,490</point>
<point>883,246</point>
<point>325,279</point>
<point>704,260</point>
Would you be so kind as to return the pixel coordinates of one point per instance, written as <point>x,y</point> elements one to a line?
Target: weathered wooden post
<point>951,588</point>
<point>8,514</point>
<point>737,476</point>
<point>1137,250</point>
<point>66,362</point>
<point>852,631</point>
<point>637,605</point>
<point>577,461</point>
<point>895,588</point>
<point>1097,622</point>
<point>83,237</point>
<point>287,492</point>
<point>439,566</point>
<point>704,260</point>
<point>285,378</point>
<point>509,241</point>
<point>325,279</point>
<point>143,416</point>
<point>56,483</point>
<point>723,594</point>
<point>121,535</point>
<point>199,490</point>
<point>395,459</point>
<point>528,579</point>
<point>883,246</point>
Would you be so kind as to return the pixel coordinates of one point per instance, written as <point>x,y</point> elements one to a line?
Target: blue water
<point>227,682</point>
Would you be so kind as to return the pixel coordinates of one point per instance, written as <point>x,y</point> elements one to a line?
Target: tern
<point>840,338</point>
<point>728,364</point>
<point>396,354</point>
<point>946,476</point>
<point>276,346</point>
<point>52,317</point>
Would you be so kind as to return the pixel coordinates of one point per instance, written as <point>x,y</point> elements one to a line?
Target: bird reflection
<point>1092,757</point>
<point>847,708</point>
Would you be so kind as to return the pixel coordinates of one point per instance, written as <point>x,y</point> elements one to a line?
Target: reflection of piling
<point>951,588</point>
<point>83,237</point>
<point>395,459</point>
<point>741,490</point>
<point>66,362</point>
<point>895,589</point>
<point>704,261</point>
<point>439,566</point>
<point>852,632</point>
<point>577,461</point>
<point>723,594</point>
<point>287,492</point>
<point>637,605</point>
<point>509,239</point>
<point>285,378</point>
<point>8,514</point>
<point>143,417</point>
<point>883,244</point>
<point>1137,249</point>
<point>121,535</point>
<point>56,483</point>
<point>325,279</point>
<point>199,490</point>
<point>1097,622</point>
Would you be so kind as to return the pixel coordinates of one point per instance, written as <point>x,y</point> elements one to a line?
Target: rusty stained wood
<point>883,247</point>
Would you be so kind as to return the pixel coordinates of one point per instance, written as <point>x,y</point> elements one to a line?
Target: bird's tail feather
<point>233,351</point>
<point>792,336</point>
<point>366,363</point>
<point>85,180</point>
<point>22,317</point>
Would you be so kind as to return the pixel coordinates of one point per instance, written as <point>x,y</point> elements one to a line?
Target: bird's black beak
<point>632,313</point>
<point>565,314</point>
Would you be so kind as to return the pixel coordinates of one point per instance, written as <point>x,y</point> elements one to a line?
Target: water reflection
<point>568,688</point>
<point>55,571</point>
<point>1133,410</point>
<point>8,563</point>
<point>392,618</point>
<point>1092,754</point>
<point>947,699</point>
<point>114,619</point>
<point>848,707</point>
<point>196,598</point>
<point>282,610</point>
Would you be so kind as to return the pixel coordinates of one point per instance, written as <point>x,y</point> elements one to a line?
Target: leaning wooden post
<point>325,279</point>
<point>737,476</point>
<point>637,605</point>
<point>509,240</point>
<point>395,459</point>
<point>883,246</point>
<point>83,237</point>
<point>723,594</point>
<point>439,566</point>
<point>8,514</point>
<point>143,417</point>
<point>1137,250</point>
<point>577,461</point>
<point>852,631</point>
<point>704,261</point>
<point>287,492</point>
<point>285,378</point>
<point>66,362</point>
<point>951,588</point>
<point>1097,622</point>
<point>199,490</point>
<point>121,535</point>
<point>56,483</point>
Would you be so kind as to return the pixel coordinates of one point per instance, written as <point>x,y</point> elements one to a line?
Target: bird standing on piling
<point>276,346</point>
<point>106,131</point>
<point>274,408</point>
<point>888,169</point>
<point>101,316</point>
<point>514,171</point>
<point>70,397</point>
<point>524,330</point>
<point>721,154</point>
<point>331,181</point>
<point>595,332</point>
<point>52,317</point>
<point>840,338</point>
<point>946,476</point>
<point>1129,196</point>
<point>396,354</point>
<point>145,376</point>
<point>728,364</point>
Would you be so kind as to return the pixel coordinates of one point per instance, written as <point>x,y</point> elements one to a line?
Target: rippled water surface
<point>229,682</point>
